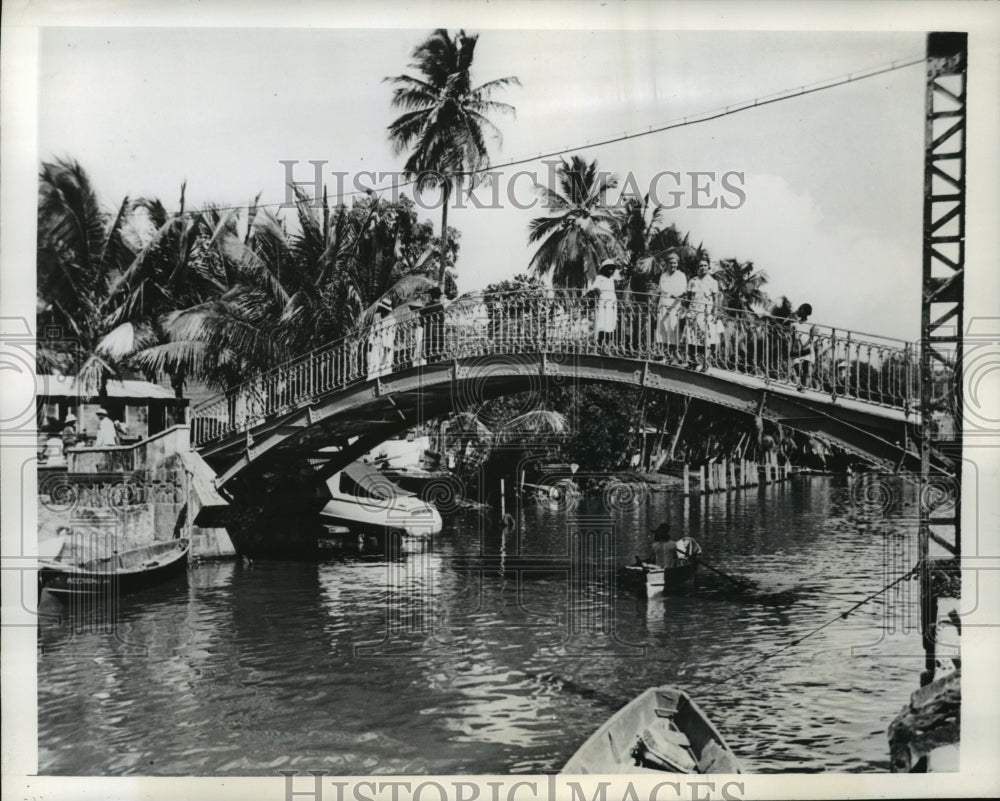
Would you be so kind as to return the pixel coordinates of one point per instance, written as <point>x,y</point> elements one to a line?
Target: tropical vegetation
<point>579,231</point>
<point>217,295</point>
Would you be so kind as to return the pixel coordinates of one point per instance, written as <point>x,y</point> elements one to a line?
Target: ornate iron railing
<point>844,364</point>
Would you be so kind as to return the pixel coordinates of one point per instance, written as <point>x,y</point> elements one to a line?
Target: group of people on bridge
<point>686,320</point>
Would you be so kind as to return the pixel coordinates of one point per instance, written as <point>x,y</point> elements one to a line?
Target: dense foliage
<point>214,294</point>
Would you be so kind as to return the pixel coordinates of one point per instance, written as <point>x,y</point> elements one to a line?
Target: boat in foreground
<point>658,580</point>
<point>661,730</point>
<point>118,572</point>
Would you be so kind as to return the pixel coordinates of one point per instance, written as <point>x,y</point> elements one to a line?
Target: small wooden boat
<point>661,730</point>
<point>120,572</point>
<point>656,580</point>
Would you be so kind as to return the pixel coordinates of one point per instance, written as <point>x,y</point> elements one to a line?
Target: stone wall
<point>121,498</point>
<point>99,513</point>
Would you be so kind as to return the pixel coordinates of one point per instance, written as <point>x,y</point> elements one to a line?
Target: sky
<point>832,180</point>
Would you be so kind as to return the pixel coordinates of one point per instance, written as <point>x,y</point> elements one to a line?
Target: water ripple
<point>246,670</point>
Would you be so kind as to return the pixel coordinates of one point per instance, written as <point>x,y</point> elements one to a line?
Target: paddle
<point>743,584</point>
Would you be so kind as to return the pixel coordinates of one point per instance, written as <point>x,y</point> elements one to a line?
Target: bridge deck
<point>828,380</point>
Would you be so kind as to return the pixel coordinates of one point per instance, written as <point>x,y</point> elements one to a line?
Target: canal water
<point>500,654</point>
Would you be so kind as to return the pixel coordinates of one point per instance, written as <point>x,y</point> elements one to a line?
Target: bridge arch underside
<point>375,410</point>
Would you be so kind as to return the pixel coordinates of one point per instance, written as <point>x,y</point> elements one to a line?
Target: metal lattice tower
<point>941,329</point>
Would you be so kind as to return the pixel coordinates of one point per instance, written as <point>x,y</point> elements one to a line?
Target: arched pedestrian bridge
<point>857,391</point>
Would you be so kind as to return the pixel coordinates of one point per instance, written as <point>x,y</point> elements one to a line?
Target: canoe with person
<point>671,568</point>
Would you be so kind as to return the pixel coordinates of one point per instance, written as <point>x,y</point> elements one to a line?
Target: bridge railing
<point>807,356</point>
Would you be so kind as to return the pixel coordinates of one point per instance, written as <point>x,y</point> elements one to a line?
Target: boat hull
<point>118,574</point>
<point>662,730</point>
<point>655,580</point>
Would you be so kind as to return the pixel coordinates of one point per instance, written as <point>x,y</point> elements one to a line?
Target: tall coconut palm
<point>81,248</point>
<point>445,119</point>
<point>580,229</point>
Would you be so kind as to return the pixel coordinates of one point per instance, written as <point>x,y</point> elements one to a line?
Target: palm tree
<point>282,295</point>
<point>580,231</point>
<point>279,295</point>
<point>80,249</point>
<point>742,287</point>
<point>646,240</point>
<point>394,255</point>
<point>178,265</point>
<point>445,119</point>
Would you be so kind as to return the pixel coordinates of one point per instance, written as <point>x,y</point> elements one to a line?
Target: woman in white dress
<point>381,342</point>
<point>703,325</point>
<point>606,318</point>
<point>670,309</point>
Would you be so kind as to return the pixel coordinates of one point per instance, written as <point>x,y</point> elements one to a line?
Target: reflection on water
<point>503,652</point>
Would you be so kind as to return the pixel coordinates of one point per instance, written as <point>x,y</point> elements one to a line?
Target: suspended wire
<point>841,616</point>
<point>718,113</point>
<point>682,122</point>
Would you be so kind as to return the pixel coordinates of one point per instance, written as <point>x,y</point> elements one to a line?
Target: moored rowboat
<point>660,730</point>
<point>120,572</point>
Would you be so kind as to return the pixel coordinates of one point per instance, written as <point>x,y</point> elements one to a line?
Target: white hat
<point>70,418</point>
<point>609,263</point>
<point>102,411</point>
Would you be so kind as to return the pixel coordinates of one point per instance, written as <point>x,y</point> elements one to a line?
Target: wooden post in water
<point>503,500</point>
<point>732,475</point>
<point>723,474</point>
<point>701,479</point>
<point>687,480</point>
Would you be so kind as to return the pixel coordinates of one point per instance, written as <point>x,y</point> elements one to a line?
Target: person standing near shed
<point>107,433</point>
<point>69,435</point>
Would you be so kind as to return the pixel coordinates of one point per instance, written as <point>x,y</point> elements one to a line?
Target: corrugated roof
<point>65,386</point>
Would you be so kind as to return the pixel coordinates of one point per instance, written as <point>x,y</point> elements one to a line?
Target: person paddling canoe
<point>664,547</point>
<point>688,550</point>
